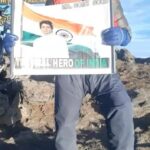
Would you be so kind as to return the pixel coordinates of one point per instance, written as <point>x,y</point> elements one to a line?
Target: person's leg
<point>117,109</point>
<point>119,121</point>
<point>68,99</point>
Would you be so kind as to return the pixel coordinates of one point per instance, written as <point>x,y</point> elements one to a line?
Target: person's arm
<point>118,16</point>
<point>9,42</point>
<point>120,33</point>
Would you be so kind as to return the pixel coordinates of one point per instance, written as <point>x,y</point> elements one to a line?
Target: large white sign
<point>74,46</point>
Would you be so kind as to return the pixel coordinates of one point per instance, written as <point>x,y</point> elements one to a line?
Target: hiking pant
<point>114,102</point>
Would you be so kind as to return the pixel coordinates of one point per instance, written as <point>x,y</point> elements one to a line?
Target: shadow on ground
<point>93,139</point>
<point>47,78</point>
<point>143,123</point>
<point>22,138</point>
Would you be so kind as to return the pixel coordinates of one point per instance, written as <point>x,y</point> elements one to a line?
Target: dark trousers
<point>114,102</point>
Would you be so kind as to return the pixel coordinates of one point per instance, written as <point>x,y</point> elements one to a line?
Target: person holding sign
<point>107,90</point>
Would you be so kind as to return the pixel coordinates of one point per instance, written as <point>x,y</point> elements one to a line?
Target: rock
<point>125,55</point>
<point>142,60</point>
<point>34,108</point>
<point>37,91</point>
<point>9,102</point>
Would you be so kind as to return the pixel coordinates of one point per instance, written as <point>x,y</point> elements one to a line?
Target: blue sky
<point>138,15</point>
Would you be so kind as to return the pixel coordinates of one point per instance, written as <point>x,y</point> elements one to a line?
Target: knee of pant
<point>122,112</point>
<point>119,98</point>
<point>113,99</point>
<point>112,102</point>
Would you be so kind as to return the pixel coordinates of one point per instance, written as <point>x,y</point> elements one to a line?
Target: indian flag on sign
<point>33,15</point>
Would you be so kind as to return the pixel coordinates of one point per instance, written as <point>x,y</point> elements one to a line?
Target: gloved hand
<point>115,36</point>
<point>9,42</point>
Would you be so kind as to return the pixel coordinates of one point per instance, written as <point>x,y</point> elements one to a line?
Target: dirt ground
<point>34,128</point>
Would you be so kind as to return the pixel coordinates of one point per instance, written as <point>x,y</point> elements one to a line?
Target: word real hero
<point>66,63</point>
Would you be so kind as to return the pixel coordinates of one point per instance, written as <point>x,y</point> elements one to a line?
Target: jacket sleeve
<point>118,15</point>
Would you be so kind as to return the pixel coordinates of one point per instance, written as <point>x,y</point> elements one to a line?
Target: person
<point>4,29</point>
<point>7,41</point>
<point>114,102</point>
<point>46,27</point>
<point>9,88</point>
<point>47,45</point>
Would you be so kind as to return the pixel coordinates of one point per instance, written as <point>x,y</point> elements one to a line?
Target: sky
<point>138,15</point>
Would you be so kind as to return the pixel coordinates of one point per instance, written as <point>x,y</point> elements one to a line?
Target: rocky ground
<point>31,112</point>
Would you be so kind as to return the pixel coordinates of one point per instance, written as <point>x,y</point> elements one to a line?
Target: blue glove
<point>9,42</point>
<point>115,36</point>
